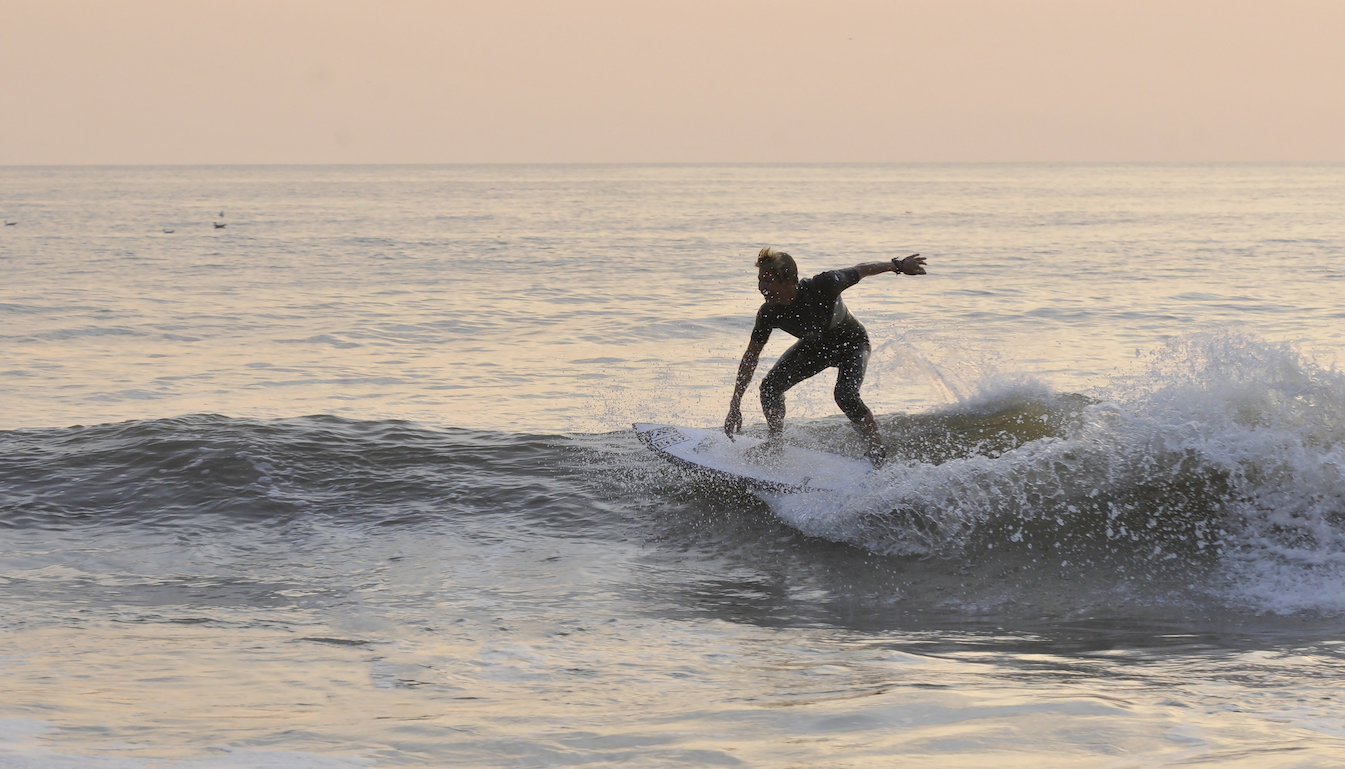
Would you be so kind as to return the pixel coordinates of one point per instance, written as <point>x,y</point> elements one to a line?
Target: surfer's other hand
<point>911,265</point>
<point>734,421</point>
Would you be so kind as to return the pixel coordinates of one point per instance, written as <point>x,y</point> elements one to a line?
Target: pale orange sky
<point>686,81</point>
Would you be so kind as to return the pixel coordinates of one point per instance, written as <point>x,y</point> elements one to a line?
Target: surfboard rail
<point>710,453</point>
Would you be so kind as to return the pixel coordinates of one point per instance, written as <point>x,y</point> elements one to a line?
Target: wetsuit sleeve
<point>762,330</point>
<point>833,282</point>
<point>848,277</point>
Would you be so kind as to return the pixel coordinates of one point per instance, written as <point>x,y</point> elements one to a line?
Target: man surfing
<point>811,310</point>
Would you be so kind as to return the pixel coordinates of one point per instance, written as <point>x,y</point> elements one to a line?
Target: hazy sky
<point>234,81</point>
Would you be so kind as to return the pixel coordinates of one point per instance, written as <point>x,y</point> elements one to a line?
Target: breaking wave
<point>1222,458</point>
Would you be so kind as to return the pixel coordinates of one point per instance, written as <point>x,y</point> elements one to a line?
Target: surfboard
<point>795,469</point>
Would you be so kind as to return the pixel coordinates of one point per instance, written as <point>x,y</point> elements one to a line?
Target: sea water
<point>349,480</point>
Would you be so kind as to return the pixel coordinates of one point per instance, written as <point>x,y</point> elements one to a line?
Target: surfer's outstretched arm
<point>733,423</point>
<point>911,265</point>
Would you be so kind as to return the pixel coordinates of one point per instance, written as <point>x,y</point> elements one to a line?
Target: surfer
<point>811,310</point>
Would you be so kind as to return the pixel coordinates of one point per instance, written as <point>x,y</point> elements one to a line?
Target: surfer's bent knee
<point>853,405</point>
<point>849,378</point>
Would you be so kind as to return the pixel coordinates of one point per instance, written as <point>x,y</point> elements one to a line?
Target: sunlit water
<point>349,481</point>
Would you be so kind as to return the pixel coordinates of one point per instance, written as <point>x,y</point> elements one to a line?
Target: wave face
<point>214,470</point>
<point>1212,477</point>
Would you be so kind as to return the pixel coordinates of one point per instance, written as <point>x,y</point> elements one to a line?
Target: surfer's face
<point>774,289</point>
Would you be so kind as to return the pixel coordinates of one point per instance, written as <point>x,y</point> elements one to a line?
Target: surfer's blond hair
<point>779,264</point>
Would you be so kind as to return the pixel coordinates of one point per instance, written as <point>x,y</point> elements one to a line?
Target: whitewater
<point>350,480</point>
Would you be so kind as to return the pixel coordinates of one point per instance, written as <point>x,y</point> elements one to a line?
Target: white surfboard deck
<point>792,470</point>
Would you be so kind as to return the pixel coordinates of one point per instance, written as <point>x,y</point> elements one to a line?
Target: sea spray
<point>1222,460</point>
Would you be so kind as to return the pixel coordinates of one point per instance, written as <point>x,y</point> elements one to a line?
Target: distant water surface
<point>493,296</point>
<point>349,480</point>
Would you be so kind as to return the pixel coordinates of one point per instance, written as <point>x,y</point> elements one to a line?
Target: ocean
<point>350,481</point>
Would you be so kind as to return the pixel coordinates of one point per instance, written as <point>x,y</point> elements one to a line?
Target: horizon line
<point>720,163</point>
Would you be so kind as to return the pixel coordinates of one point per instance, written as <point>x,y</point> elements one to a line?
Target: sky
<point>685,81</point>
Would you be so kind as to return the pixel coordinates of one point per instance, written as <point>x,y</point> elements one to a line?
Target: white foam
<point>1255,427</point>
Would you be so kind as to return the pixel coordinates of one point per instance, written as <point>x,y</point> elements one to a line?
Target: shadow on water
<point>752,570</point>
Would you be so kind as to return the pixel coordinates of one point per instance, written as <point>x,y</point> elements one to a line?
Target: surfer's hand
<point>734,421</point>
<point>911,265</point>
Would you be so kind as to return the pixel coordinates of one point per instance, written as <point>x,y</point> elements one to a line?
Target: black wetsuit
<point>828,336</point>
